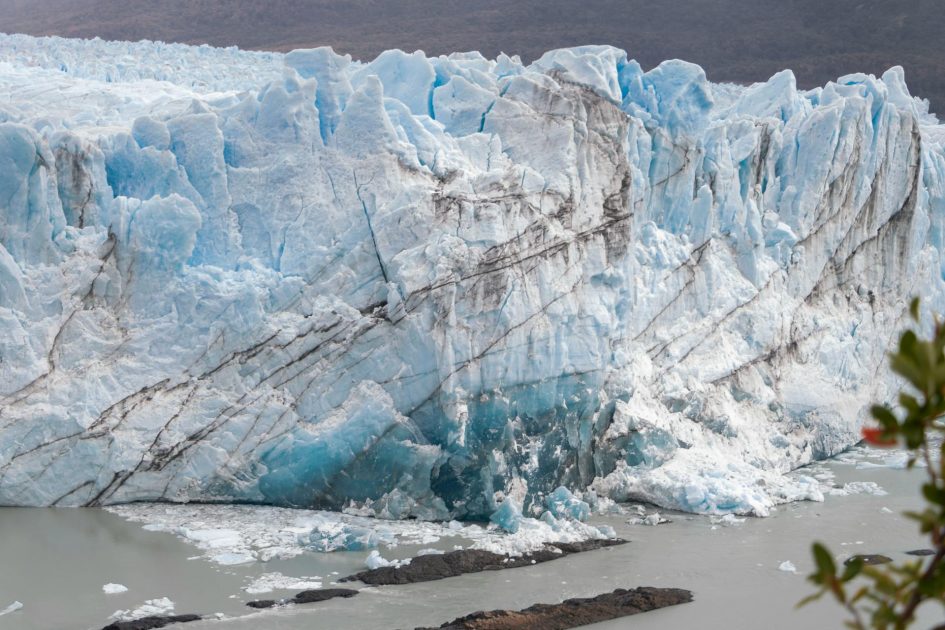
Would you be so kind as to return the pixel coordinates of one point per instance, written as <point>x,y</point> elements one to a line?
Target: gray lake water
<point>55,562</point>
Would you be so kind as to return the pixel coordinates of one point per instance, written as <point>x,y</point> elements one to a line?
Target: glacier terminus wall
<point>423,286</point>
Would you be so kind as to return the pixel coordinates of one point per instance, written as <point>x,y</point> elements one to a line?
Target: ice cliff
<point>428,285</point>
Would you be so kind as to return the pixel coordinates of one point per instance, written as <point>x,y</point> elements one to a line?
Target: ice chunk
<point>376,561</point>
<point>859,487</point>
<point>114,589</point>
<point>332,536</point>
<point>508,516</point>
<point>606,531</point>
<point>15,606</point>
<point>268,582</point>
<point>150,608</point>
<point>653,518</point>
<point>563,504</point>
<point>787,566</point>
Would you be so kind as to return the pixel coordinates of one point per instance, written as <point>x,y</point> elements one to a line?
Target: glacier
<point>441,287</point>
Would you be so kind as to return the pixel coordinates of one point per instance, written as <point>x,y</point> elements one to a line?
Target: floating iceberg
<point>15,606</point>
<point>114,589</point>
<point>416,283</point>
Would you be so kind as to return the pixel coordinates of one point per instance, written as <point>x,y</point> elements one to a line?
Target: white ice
<point>114,589</point>
<point>150,608</point>
<point>269,582</point>
<point>264,533</point>
<point>15,606</point>
<point>415,286</point>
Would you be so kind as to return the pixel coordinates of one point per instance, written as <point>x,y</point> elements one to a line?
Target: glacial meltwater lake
<point>56,561</point>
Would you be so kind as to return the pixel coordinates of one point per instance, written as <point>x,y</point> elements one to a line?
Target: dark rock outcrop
<point>151,623</point>
<point>453,563</point>
<point>868,559</point>
<point>305,597</point>
<point>573,613</point>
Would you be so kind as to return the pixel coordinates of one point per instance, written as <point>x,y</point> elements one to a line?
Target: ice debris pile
<point>268,582</point>
<point>425,285</point>
<point>240,534</point>
<point>150,608</point>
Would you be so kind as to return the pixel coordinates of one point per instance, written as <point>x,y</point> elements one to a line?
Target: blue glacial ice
<point>431,287</point>
<point>563,504</point>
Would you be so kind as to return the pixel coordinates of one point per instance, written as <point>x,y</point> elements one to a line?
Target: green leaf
<point>914,308</point>
<point>904,365</point>
<point>933,494</point>
<point>907,343</point>
<point>824,561</point>
<point>810,598</point>
<point>909,402</point>
<point>852,569</point>
<point>885,417</point>
<point>884,583</point>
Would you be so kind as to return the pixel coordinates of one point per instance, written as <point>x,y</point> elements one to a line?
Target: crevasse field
<point>428,287</point>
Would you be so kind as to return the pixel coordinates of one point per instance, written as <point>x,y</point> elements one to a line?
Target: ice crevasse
<point>428,286</point>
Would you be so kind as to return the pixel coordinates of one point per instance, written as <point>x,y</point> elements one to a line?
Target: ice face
<point>429,287</point>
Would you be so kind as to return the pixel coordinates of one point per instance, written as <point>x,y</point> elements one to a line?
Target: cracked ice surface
<point>430,284</point>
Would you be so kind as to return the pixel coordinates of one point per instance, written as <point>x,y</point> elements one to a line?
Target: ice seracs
<point>437,287</point>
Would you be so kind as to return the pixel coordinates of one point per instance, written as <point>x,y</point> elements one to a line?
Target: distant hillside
<point>735,40</point>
